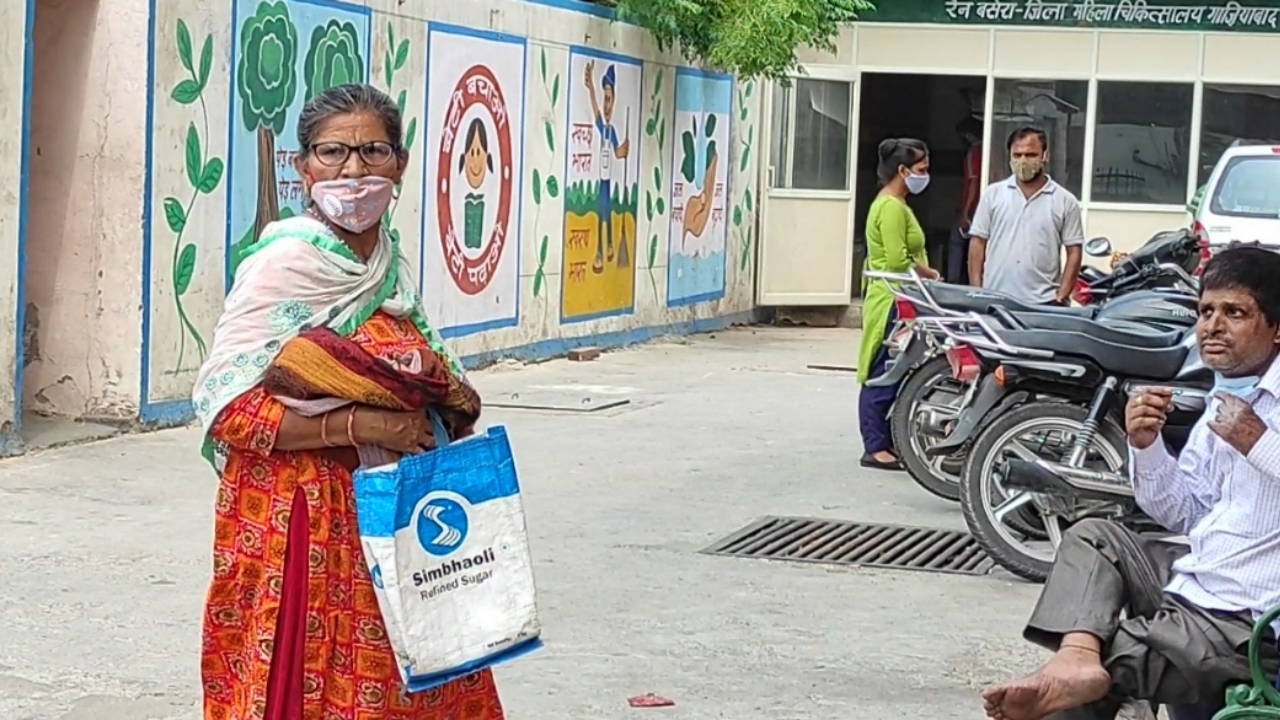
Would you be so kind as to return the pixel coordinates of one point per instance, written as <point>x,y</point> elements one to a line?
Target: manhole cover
<point>556,401</point>
<point>848,543</point>
<point>833,368</point>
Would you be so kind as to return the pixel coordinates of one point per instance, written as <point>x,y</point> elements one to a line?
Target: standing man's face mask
<point>1027,169</point>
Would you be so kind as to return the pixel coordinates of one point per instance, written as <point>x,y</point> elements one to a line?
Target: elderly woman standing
<point>292,628</point>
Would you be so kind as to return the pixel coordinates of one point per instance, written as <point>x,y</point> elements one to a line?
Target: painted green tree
<point>689,142</point>
<point>746,37</point>
<point>333,58</point>
<point>267,82</point>
<point>203,172</point>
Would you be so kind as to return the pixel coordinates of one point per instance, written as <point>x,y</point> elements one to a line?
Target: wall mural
<point>275,75</point>
<point>697,250</point>
<point>744,211</point>
<point>547,185</point>
<point>602,178</point>
<point>204,175</point>
<point>463,97</point>
<point>474,156</point>
<point>394,59</point>
<point>655,202</point>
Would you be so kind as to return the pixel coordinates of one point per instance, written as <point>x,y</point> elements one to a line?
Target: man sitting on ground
<point>1189,610</point>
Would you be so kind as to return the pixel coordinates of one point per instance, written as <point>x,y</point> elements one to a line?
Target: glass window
<point>1250,187</point>
<point>779,163</point>
<point>1142,142</point>
<point>1236,112</point>
<point>811,120</point>
<point>1059,108</point>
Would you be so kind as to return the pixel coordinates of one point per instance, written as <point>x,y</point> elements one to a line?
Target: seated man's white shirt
<point>1227,505</point>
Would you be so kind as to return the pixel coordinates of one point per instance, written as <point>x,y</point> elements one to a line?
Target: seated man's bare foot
<point>1071,679</point>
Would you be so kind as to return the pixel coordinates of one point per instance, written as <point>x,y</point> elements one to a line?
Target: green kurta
<point>895,243</point>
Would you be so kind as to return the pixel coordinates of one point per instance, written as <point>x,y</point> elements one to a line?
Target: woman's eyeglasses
<point>333,154</point>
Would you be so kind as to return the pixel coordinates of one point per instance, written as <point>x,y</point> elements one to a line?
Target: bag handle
<point>441,430</point>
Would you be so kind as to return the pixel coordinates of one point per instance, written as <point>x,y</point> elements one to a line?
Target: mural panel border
<point>686,71</point>
<point>428,210</point>
<point>579,6</point>
<point>638,144</point>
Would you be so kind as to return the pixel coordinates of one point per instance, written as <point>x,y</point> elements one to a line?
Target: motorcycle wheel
<point>988,506</point>
<point>938,475</point>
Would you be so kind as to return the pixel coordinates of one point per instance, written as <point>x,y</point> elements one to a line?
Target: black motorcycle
<point>931,396</point>
<point>1046,431</point>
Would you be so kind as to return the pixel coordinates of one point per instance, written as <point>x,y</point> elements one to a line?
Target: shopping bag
<point>445,541</point>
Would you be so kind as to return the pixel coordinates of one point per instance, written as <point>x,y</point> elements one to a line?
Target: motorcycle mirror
<point>1098,247</point>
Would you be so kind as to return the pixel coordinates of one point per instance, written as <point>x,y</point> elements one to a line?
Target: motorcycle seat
<point>1118,332</point>
<point>964,298</point>
<point>1126,360</point>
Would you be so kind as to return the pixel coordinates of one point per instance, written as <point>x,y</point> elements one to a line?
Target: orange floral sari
<point>294,635</point>
<point>292,629</point>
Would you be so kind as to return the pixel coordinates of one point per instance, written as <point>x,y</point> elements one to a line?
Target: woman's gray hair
<point>344,100</point>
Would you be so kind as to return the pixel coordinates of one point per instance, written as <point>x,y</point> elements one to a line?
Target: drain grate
<point>836,542</point>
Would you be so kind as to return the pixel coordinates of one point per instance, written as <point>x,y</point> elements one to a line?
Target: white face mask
<point>916,183</point>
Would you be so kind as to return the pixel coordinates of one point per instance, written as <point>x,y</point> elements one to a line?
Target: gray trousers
<point>1166,650</point>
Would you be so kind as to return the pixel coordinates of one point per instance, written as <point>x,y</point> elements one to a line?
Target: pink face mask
<point>355,204</point>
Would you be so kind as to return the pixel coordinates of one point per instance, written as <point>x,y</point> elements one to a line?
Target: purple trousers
<point>874,402</point>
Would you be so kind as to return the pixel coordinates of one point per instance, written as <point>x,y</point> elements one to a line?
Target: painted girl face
<point>475,163</point>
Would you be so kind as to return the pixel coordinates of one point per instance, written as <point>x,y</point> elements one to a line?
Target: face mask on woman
<point>354,204</point>
<point>916,183</point>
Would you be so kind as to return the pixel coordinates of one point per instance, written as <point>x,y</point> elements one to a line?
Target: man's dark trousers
<point>1166,651</point>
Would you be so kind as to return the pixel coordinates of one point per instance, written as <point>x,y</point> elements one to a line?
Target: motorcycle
<point>1052,437</point>
<point>931,397</point>
<point>1170,247</point>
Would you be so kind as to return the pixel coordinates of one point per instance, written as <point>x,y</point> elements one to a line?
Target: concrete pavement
<point>105,553</point>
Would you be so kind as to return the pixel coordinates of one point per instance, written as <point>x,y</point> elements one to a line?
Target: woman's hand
<point>926,272</point>
<point>408,433</point>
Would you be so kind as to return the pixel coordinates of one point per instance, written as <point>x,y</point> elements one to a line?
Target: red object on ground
<point>649,700</point>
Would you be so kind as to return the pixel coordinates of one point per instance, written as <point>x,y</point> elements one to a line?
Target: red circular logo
<point>477,86</point>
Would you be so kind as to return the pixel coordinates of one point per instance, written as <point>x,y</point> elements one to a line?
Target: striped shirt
<point>1227,505</point>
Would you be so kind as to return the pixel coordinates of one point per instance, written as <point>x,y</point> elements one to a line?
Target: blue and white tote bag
<point>445,540</point>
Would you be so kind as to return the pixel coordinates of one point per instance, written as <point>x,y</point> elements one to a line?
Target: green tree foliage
<point>746,37</point>
<point>267,81</point>
<point>333,58</point>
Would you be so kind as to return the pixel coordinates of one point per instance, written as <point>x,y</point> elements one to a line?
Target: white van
<point>1240,205</point>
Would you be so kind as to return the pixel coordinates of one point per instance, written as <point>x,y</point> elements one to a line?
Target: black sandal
<point>869,461</point>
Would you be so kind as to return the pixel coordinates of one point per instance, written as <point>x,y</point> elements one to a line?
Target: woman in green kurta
<point>895,243</point>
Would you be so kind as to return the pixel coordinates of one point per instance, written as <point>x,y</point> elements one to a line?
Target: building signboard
<point>1228,16</point>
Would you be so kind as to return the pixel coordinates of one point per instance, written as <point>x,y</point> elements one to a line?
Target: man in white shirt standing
<point>1024,225</point>
<point>1189,609</point>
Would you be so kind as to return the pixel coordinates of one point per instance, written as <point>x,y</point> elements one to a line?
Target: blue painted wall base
<point>10,444</point>
<point>174,413</point>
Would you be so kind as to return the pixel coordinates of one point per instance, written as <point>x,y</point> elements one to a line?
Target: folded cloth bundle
<point>320,371</point>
